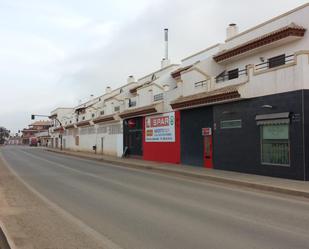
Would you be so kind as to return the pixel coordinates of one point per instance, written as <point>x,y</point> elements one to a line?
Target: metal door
<point>208,148</point>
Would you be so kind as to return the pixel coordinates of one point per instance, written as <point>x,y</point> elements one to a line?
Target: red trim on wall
<point>163,152</point>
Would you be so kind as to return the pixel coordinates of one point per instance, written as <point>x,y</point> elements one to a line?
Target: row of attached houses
<point>242,105</point>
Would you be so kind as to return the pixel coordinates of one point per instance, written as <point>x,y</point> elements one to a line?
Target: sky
<point>55,53</point>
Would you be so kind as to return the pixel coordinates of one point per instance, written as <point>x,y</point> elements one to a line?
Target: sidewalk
<point>265,183</point>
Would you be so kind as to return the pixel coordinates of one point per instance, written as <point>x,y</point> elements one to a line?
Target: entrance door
<point>208,149</point>
<point>133,136</point>
<point>136,142</point>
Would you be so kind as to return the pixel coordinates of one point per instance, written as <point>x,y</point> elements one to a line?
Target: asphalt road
<point>140,209</point>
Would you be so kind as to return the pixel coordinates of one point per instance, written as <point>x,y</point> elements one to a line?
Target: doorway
<point>133,136</point>
<point>208,148</point>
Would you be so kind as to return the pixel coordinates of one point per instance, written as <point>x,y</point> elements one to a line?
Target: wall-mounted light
<point>262,59</point>
<point>228,112</point>
<point>267,106</point>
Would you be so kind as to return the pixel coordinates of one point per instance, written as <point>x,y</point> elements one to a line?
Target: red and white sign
<point>132,123</point>
<point>160,128</point>
<point>159,121</point>
<point>206,131</point>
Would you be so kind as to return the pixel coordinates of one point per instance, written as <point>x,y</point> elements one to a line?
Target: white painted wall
<point>112,139</point>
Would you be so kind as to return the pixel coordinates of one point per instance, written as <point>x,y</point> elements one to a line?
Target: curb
<point>252,185</point>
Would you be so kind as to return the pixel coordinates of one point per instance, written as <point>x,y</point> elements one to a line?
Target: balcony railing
<point>275,62</point>
<point>202,83</point>
<point>158,97</point>
<point>230,75</point>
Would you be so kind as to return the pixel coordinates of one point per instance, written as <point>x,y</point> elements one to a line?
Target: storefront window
<point>275,144</point>
<point>230,124</point>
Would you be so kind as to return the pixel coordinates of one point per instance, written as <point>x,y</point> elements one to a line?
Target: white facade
<point>254,81</point>
<point>98,122</point>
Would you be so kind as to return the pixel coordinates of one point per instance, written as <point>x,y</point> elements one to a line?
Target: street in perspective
<point>154,124</point>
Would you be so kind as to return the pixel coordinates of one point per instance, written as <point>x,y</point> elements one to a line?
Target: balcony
<point>231,75</point>
<point>274,62</point>
<point>279,74</point>
<point>202,84</point>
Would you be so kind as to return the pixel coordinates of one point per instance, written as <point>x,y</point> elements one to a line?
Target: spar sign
<point>160,128</point>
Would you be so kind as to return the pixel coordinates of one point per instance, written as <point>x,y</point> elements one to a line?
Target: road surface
<point>141,209</point>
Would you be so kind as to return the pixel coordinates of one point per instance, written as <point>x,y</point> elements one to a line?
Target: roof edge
<point>268,21</point>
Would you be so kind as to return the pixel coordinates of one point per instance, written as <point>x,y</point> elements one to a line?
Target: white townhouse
<point>58,116</point>
<point>94,126</point>
<point>240,105</point>
<point>244,103</point>
<point>149,99</point>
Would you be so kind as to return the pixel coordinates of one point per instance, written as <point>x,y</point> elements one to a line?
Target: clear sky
<point>56,52</point>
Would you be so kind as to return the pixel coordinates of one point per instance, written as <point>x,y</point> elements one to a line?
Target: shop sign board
<point>206,131</point>
<point>160,128</point>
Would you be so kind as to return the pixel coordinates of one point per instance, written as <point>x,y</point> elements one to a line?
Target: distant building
<point>36,128</point>
<point>4,135</point>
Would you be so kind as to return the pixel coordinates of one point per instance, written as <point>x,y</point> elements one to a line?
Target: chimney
<point>231,30</point>
<point>130,79</point>
<point>166,43</point>
<point>165,61</point>
<point>108,89</point>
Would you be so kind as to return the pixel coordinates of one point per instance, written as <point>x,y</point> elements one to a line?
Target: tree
<point>4,135</point>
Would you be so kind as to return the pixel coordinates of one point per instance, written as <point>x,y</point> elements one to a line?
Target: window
<point>275,144</point>
<point>132,103</point>
<point>102,129</point>
<point>276,61</point>
<point>91,130</point>
<point>115,129</point>
<point>233,74</point>
<point>83,131</point>
<point>102,113</point>
<point>83,118</point>
<point>158,97</point>
<point>230,124</point>
<point>92,115</point>
<point>116,108</point>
